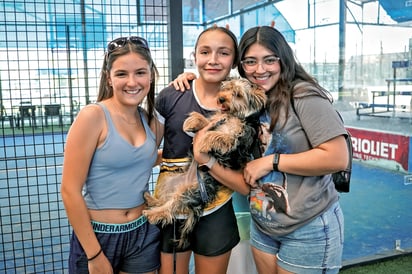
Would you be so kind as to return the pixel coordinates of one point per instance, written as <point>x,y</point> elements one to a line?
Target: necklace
<point>122,116</point>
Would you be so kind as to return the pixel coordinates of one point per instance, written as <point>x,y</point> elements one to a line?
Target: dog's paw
<point>194,122</point>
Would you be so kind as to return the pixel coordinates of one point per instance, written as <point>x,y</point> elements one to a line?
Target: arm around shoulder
<point>182,81</point>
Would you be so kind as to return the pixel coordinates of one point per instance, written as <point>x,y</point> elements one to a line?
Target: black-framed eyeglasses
<point>122,41</point>
<point>250,64</point>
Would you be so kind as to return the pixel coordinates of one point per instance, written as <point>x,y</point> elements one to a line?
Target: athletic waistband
<point>118,228</point>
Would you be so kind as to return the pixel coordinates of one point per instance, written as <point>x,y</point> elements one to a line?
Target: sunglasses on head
<point>122,41</point>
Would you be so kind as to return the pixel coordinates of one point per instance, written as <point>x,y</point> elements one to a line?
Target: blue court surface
<point>35,231</point>
<point>377,212</point>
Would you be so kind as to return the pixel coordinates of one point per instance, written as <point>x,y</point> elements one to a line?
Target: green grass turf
<point>397,265</point>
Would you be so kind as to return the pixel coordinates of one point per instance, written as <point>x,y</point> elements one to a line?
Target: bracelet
<point>95,256</point>
<point>275,162</point>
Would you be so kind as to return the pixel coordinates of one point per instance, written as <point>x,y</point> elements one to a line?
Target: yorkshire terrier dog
<point>231,138</point>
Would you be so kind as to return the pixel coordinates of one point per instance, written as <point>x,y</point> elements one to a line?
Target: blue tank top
<point>119,172</point>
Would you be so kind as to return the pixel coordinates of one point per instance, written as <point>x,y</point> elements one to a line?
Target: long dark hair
<point>106,91</point>
<point>293,77</point>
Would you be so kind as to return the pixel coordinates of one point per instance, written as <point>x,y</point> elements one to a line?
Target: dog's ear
<point>258,100</point>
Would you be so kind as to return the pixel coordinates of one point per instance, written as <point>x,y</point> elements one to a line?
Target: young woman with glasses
<point>109,155</point>
<point>303,233</point>
<point>297,223</point>
<point>216,233</point>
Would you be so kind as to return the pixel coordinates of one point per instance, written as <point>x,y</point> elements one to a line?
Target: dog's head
<point>241,98</point>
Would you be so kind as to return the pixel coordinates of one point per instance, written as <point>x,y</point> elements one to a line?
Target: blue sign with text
<point>400,64</point>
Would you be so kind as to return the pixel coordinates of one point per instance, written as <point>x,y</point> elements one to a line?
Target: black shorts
<point>214,234</point>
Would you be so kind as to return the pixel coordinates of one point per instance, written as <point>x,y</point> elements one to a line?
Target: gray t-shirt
<point>284,202</point>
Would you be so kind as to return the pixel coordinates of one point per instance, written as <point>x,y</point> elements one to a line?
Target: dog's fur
<point>230,138</point>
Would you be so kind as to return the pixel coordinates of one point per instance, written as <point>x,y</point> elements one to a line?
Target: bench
<point>377,109</point>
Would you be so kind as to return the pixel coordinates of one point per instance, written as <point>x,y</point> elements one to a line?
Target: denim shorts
<point>313,248</point>
<point>135,251</point>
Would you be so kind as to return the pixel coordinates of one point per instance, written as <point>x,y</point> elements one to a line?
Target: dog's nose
<point>221,100</point>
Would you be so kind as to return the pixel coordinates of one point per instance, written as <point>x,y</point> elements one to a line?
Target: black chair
<point>5,117</point>
<point>26,110</point>
<point>53,110</point>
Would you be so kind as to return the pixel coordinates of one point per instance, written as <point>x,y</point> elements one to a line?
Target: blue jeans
<point>313,248</point>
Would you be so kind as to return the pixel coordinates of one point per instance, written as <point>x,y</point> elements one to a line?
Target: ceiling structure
<point>399,10</point>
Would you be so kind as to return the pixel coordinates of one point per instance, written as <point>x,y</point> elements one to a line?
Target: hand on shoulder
<point>182,81</point>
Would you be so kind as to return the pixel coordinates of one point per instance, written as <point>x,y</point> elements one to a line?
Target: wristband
<point>276,162</point>
<point>95,256</point>
<point>207,166</point>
